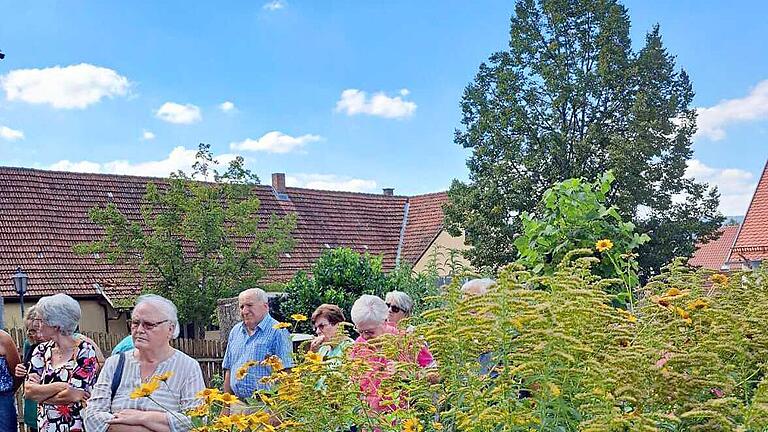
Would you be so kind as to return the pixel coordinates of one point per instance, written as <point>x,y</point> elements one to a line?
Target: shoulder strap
<point>118,375</point>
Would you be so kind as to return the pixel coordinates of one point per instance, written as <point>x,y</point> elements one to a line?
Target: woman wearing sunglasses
<point>400,306</point>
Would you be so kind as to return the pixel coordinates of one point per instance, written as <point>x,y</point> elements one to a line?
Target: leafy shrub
<point>572,214</point>
<point>339,277</point>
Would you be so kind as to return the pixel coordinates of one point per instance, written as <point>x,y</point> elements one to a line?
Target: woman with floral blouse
<point>63,370</point>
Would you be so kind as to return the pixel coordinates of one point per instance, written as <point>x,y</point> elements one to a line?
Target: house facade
<point>744,246</point>
<point>43,214</point>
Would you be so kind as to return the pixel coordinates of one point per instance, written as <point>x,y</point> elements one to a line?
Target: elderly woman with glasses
<point>400,306</point>
<point>63,369</point>
<point>171,377</point>
<point>369,314</point>
<point>329,341</point>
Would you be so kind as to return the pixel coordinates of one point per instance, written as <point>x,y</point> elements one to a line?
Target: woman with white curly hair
<point>369,314</point>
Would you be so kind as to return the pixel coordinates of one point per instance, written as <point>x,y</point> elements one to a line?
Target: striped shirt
<point>177,396</point>
<point>264,342</point>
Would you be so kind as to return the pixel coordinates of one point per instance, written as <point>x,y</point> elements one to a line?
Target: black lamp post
<point>20,285</point>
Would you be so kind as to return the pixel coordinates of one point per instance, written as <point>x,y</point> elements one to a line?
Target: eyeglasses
<point>322,326</point>
<point>148,325</point>
<point>367,334</point>
<point>393,308</point>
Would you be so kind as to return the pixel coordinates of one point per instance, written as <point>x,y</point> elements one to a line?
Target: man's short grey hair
<point>477,286</point>
<point>401,300</point>
<point>369,309</point>
<point>166,308</point>
<point>60,311</point>
<point>259,294</point>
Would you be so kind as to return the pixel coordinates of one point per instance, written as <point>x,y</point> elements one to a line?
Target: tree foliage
<point>196,241</point>
<point>571,99</point>
<point>340,276</point>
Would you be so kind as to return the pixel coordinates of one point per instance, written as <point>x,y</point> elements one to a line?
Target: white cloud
<point>9,134</point>
<point>354,101</point>
<point>147,135</point>
<point>275,142</point>
<point>330,182</point>
<point>180,158</point>
<point>76,86</point>
<point>274,5</point>
<point>173,112</point>
<point>736,186</point>
<point>227,106</point>
<point>713,120</point>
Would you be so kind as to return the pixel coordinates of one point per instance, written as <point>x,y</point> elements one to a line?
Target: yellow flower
<point>163,376</point>
<point>274,362</point>
<point>227,398</point>
<point>412,425</point>
<point>698,304</point>
<point>240,421</point>
<point>719,279</point>
<point>298,317</point>
<point>280,325</point>
<point>554,389</point>
<point>603,245</point>
<point>199,411</point>
<point>673,292</point>
<point>208,394</point>
<point>437,426</point>
<point>242,371</point>
<point>314,357</point>
<point>145,390</point>
<point>258,419</point>
<point>682,313</point>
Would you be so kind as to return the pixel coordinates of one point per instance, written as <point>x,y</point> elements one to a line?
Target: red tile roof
<point>714,254</point>
<point>425,221</point>
<point>752,239</point>
<point>44,213</point>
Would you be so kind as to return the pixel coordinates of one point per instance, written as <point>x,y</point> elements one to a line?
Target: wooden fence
<point>209,353</point>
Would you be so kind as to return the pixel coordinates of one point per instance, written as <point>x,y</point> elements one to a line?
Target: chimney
<point>278,182</point>
<point>389,191</point>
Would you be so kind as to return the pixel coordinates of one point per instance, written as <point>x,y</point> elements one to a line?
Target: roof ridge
<point>133,178</point>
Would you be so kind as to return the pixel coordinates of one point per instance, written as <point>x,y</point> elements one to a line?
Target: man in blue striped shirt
<point>254,339</point>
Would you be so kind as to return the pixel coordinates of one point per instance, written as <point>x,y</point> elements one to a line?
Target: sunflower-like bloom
<point>145,390</point>
<point>603,245</point>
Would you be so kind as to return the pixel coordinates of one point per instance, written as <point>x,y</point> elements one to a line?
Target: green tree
<point>571,99</point>
<point>196,241</point>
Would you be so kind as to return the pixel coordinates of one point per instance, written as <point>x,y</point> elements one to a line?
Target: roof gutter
<point>406,209</point>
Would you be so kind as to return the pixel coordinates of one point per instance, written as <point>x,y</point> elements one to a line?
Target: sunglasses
<point>393,308</point>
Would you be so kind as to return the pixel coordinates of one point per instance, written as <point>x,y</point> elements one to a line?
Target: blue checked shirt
<point>264,342</point>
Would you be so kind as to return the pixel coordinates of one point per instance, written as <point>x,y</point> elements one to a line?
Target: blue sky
<point>349,95</point>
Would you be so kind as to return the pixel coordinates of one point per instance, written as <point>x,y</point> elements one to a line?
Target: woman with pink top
<point>369,314</point>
